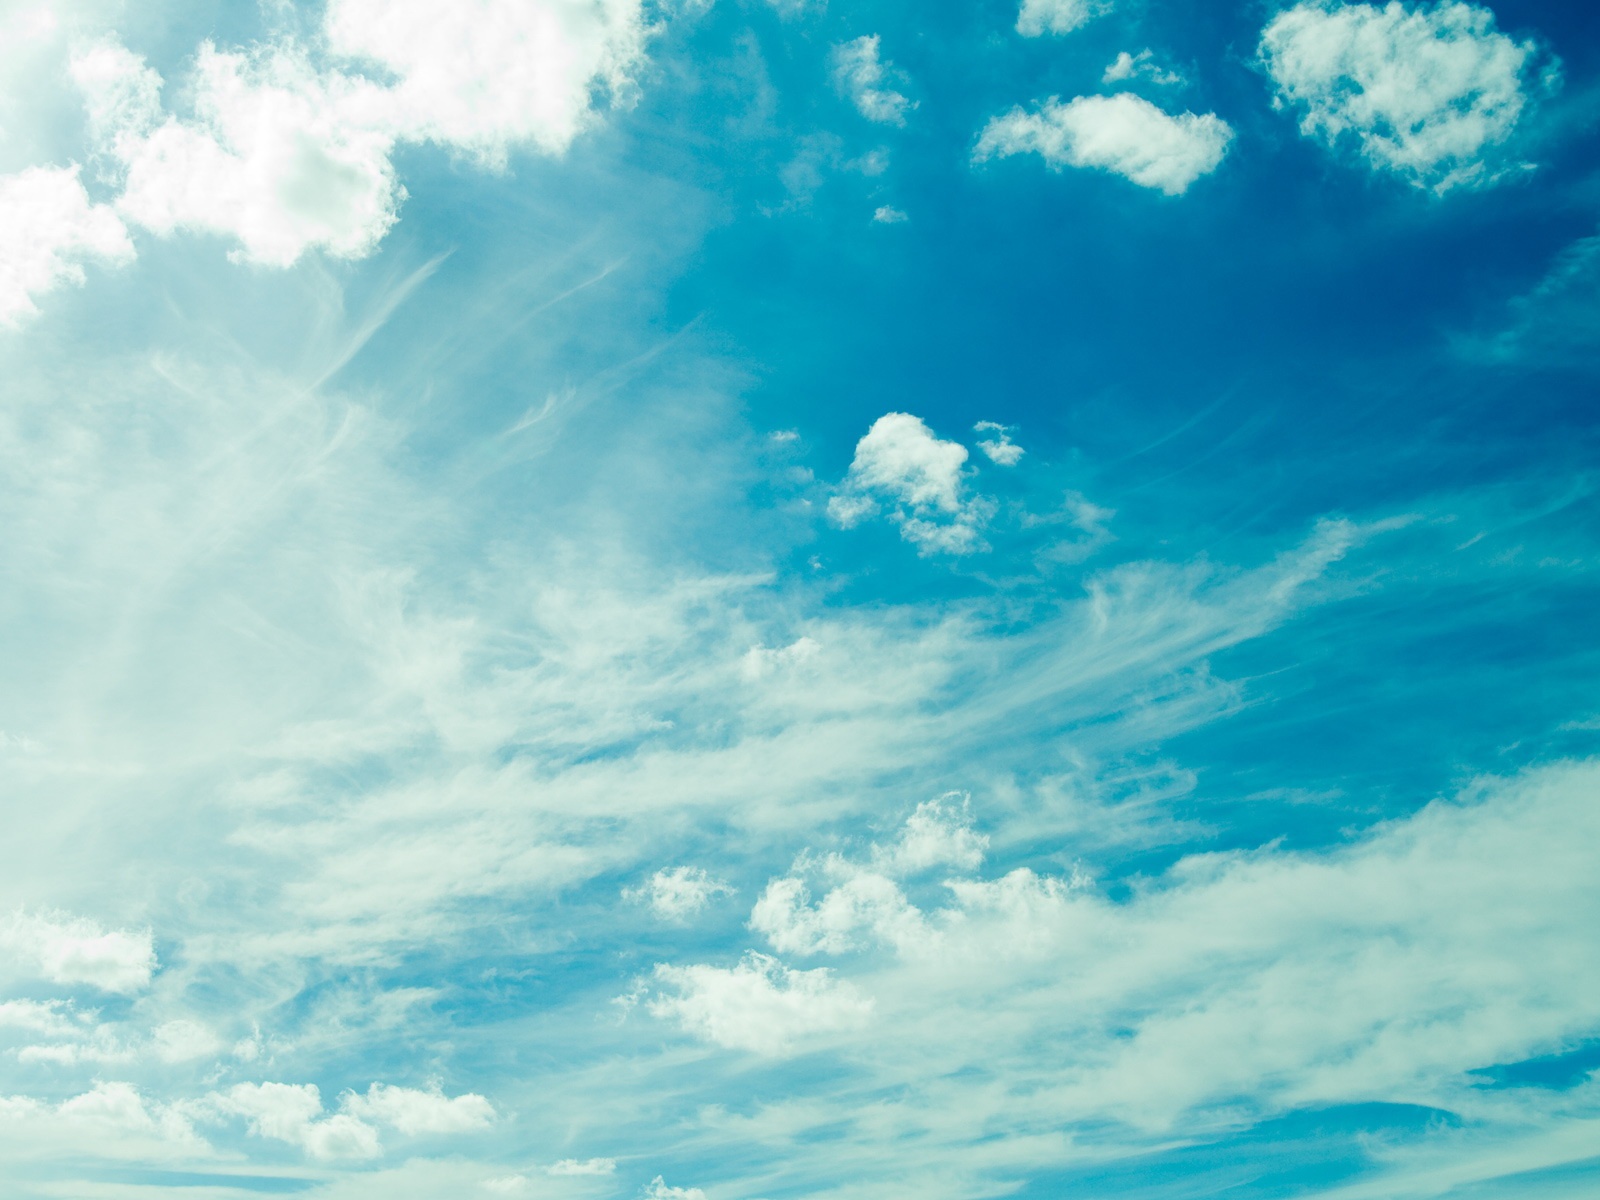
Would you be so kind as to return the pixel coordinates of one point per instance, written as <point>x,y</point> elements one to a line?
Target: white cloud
<point>583,1166</point>
<point>38,1016</point>
<point>866,908</point>
<point>658,1189</point>
<point>70,950</point>
<point>759,1005</point>
<point>1000,450</point>
<point>1124,134</point>
<point>278,155</point>
<point>938,834</point>
<point>1139,66</point>
<point>413,1111</point>
<point>184,1041</point>
<point>48,229</point>
<point>862,76</point>
<point>886,214</point>
<point>293,1113</point>
<point>678,893</point>
<point>1038,17</point>
<point>901,462</point>
<point>487,76</point>
<point>761,661</point>
<point>1427,92</point>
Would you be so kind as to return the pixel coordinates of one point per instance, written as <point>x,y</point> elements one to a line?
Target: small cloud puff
<point>1139,66</point>
<point>413,1111</point>
<point>659,1190</point>
<point>1037,17</point>
<point>583,1166</point>
<point>1000,450</point>
<point>862,76</point>
<point>886,214</point>
<point>1425,92</point>
<point>759,1005</point>
<point>1124,134</point>
<point>70,950</point>
<point>899,461</point>
<point>48,230</point>
<point>678,893</point>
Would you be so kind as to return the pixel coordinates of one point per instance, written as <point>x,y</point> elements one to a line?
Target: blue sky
<point>768,598</point>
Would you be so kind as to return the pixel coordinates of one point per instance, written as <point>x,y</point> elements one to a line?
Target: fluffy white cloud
<point>285,153</point>
<point>938,834</point>
<point>758,1005</point>
<point>293,1113</point>
<point>1139,66</point>
<point>278,155</point>
<point>1425,91</point>
<point>490,75</point>
<point>1038,17</point>
<point>583,1166</point>
<point>659,1189</point>
<point>1124,134</point>
<point>865,78</point>
<point>70,950</point>
<point>38,1016</point>
<point>887,214</point>
<point>899,461</point>
<point>412,1111</point>
<point>678,893</point>
<point>1000,449</point>
<point>864,909</point>
<point>48,229</point>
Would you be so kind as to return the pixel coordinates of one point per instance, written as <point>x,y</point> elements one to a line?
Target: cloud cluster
<point>287,147</point>
<point>861,75</point>
<point>1426,92</point>
<point>71,950</point>
<point>48,229</point>
<point>678,893</point>
<point>1038,17</point>
<point>759,1005</point>
<point>901,464</point>
<point>1124,134</point>
<point>293,1113</point>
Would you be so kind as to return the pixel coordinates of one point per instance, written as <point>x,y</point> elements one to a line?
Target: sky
<point>758,599</point>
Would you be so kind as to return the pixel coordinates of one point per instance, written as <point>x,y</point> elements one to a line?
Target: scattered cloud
<point>71,950</point>
<point>678,893</point>
<point>1139,66</point>
<point>583,1166</point>
<point>293,1113</point>
<point>412,1111</point>
<point>1038,17</point>
<point>1124,134</point>
<point>900,463</point>
<point>1427,92</point>
<point>886,214</point>
<point>1000,449</point>
<point>48,229</point>
<point>759,1005</point>
<point>658,1189</point>
<point>862,76</point>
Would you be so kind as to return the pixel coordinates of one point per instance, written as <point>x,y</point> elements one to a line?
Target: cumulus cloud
<point>293,1113</point>
<point>279,156</point>
<point>1124,134</point>
<point>285,151</point>
<point>887,214</point>
<point>48,229</point>
<point>1427,92</point>
<point>487,76</point>
<point>658,1189</point>
<point>1037,17</point>
<point>899,462</point>
<point>70,950</point>
<point>678,893</point>
<point>865,78</point>
<point>759,1005</point>
<point>1000,449</point>
<point>938,834</point>
<point>413,1111</point>
<point>1139,66</point>
<point>583,1166</point>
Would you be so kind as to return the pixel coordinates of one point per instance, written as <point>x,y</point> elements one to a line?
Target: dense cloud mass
<point>616,599</point>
